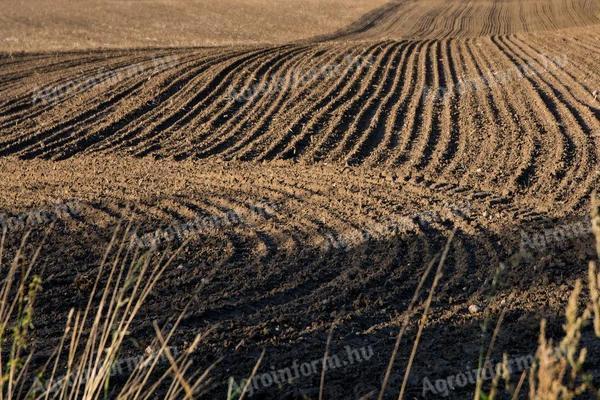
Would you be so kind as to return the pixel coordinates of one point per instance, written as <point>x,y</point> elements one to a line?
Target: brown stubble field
<point>328,150</point>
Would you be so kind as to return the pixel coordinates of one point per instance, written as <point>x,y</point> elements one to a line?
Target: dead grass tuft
<point>80,367</point>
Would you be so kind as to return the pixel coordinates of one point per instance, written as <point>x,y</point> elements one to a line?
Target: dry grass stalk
<point>93,337</point>
<point>593,275</point>
<point>596,220</point>
<point>404,326</point>
<point>556,371</point>
<point>594,284</point>
<point>436,279</point>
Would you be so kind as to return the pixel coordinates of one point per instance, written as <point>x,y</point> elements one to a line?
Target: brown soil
<point>45,25</point>
<point>480,116</point>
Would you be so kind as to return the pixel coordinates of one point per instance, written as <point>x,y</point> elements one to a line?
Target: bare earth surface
<point>46,25</point>
<point>337,158</point>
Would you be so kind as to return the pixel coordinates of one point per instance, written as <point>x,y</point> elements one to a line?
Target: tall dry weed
<point>94,337</point>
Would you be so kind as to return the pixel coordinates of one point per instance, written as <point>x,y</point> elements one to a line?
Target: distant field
<point>42,25</point>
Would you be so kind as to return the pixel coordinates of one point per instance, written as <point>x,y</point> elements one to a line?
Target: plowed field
<point>325,172</point>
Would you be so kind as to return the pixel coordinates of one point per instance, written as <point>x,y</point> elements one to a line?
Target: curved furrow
<point>366,110</point>
<point>580,93</point>
<point>354,210</point>
<point>535,102</point>
<point>63,131</point>
<point>137,115</point>
<point>30,62</point>
<point>27,145</point>
<point>506,132</point>
<point>465,22</point>
<point>133,129</point>
<point>466,213</point>
<point>310,124</point>
<point>14,80</point>
<point>468,19</point>
<point>398,112</point>
<point>170,206</point>
<point>286,103</point>
<point>414,117</point>
<point>135,121</point>
<point>202,239</point>
<point>545,18</point>
<point>96,211</point>
<point>564,85</point>
<point>280,207</point>
<point>583,125</point>
<point>79,137</point>
<point>477,87</point>
<point>142,214</point>
<point>471,238</point>
<point>403,18</point>
<point>488,147</point>
<point>223,225</point>
<point>322,232</point>
<point>180,100</point>
<point>483,246</point>
<point>155,217</point>
<point>496,27</point>
<point>22,103</point>
<point>577,157</point>
<point>223,132</point>
<point>414,255</point>
<point>486,22</point>
<point>259,298</point>
<point>425,25</point>
<point>346,107</point>
<point>430,129</point>
<point>580,70</point>
<point>278,236</point>
<point>520,146</point>
<point>26,106</point>
<point>217,123</point>
<point>231,219</point>
<point>529,148</point>
<point>323,199</point>
<point>72,92</point>
<point>334,225</point>
<point>455,24</point>
<point>195,204</point>
<point>470,117</point>
<point>27,67</point>
<point>295,135</point>
<point>210,93</point>
<point>449,113</point>
<point>373,142</point>
<point>567,88</point>
<point>315,232</point>
<point>291,102</point>
<point>261,80</point>
<point>522,19</point>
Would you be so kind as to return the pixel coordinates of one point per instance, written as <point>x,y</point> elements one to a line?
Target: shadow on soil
<point>284,301</point>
